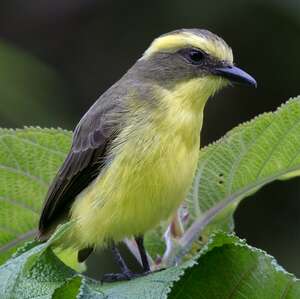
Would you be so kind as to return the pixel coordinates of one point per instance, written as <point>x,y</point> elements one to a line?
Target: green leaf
<point>68,290</point>
<point>247,158</point>
<point>244,160</point>
<point>29,159</point>
<point>36,272</point>
<point>235,270</point>
<point>154,241</point>
<point>225,268</point>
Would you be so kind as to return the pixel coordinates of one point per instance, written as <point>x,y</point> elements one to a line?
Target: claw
<point>113,277</point>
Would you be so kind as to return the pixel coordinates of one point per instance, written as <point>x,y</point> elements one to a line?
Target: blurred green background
<point>58,56</point>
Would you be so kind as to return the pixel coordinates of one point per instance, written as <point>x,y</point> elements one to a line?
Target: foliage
<point>29,159</point>
<point>244,160</point>
<point>248,157</point>
<point>225,268</point>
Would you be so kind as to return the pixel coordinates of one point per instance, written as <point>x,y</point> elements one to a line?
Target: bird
<point>135,151</point>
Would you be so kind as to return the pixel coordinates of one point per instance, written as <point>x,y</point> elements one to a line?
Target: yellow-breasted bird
<point>134,153</point>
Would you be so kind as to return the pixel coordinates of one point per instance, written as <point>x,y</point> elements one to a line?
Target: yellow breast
<point>153,162</point>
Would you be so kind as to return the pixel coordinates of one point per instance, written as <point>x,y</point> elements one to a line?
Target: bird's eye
<point>195,56</point>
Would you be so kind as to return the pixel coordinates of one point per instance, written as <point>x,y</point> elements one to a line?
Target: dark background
<point>58,56</point>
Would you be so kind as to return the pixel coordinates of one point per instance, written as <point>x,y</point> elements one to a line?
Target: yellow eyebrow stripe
<point>173,42</point>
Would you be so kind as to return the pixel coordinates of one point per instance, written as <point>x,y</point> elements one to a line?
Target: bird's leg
<point>140,243</point>
<point>126,273</point>
<point>119,259</point>
<point>145,262</point>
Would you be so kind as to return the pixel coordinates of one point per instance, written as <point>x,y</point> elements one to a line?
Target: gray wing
<point>84,162</point>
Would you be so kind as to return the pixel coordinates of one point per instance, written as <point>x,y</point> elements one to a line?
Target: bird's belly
<point>142,186</point>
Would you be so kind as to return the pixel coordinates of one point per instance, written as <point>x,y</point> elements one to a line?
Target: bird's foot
<point>113,277</point>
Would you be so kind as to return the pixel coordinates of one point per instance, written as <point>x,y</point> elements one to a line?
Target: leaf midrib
<point>196,228</point>
<point>17,240</point>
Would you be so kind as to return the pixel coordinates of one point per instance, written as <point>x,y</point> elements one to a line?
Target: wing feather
<point>84,162</point>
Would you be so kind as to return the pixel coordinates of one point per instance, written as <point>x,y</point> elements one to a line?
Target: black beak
<point>235,75</point>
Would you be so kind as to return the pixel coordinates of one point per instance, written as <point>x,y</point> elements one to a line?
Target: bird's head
<point>191,61</point>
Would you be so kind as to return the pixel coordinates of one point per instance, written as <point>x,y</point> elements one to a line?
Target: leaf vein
<point>282,137</point>
<point>37,179</point>
<point>237,162</point>
<point>243,277</point>
<point>18,203</point>
<point>10,153</point>
<point>19,239</point>
<point>29,141</point>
